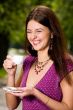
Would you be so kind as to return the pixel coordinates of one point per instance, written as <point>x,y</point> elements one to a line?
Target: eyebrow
<point>36,29</point>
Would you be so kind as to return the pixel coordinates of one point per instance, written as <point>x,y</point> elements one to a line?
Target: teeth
<point>35,42</point>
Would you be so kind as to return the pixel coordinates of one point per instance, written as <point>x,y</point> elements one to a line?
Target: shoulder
<point>70,79</point>
<point>28,58</point>
<point>69,63</point>
<point>69,75</point>
<point>67,81</point>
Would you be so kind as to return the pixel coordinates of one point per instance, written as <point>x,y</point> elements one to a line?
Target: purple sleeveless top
<point>49,85</point>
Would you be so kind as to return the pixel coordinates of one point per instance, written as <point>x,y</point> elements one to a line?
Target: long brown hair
<point>47,17</point>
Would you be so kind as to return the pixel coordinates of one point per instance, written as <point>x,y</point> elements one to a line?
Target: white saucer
<point>11,89</point>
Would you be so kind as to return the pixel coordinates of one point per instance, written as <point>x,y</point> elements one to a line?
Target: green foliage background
<point>13,14</point>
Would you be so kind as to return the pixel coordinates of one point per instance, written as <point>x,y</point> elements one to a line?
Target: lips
<point>35,42</point>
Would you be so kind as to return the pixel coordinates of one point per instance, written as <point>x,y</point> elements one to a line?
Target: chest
<point>48,83</point>
<point>34,78</point>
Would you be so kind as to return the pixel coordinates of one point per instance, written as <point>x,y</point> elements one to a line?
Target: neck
<point>43,56</point>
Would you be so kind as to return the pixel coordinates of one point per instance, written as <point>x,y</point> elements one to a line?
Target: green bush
<point>2,73</point>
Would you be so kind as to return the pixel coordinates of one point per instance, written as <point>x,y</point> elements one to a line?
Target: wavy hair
<point>47,17</point>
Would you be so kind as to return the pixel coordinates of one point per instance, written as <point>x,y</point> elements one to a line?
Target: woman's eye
<point>39,31</point>
<point>28,32</point>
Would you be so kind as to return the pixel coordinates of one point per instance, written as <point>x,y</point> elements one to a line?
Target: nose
<point>34,35</point>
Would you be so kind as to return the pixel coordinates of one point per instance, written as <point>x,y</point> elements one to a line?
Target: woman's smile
<point>38,35</point>
<point>36,42</point>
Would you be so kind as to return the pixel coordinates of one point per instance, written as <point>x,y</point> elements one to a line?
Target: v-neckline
<point>48,71</point>
<point>42,77</point>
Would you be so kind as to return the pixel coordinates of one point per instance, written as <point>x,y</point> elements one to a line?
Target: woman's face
<point>38,35</point>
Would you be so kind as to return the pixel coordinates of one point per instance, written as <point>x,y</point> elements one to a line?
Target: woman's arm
<point>67,101</point>
<point>11,100</point>
<point>10,67</point>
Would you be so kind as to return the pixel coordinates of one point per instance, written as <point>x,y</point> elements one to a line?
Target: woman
<point>46,81</point>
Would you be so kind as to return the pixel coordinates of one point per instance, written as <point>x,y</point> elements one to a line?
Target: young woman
<point>46,80</point>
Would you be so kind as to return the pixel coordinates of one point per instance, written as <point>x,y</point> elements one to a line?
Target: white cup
<point>18,59</point>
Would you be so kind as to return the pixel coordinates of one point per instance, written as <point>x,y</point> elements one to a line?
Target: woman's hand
<point>23,91</point>
<point>9,66</point>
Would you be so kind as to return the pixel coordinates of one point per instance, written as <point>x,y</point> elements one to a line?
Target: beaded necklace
<point>39,66</point>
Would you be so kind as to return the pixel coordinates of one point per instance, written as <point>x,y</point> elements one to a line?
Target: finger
<point>9,57</point>
<point>21,88</point>
<point>7,64</point>
<point>16,94</point>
